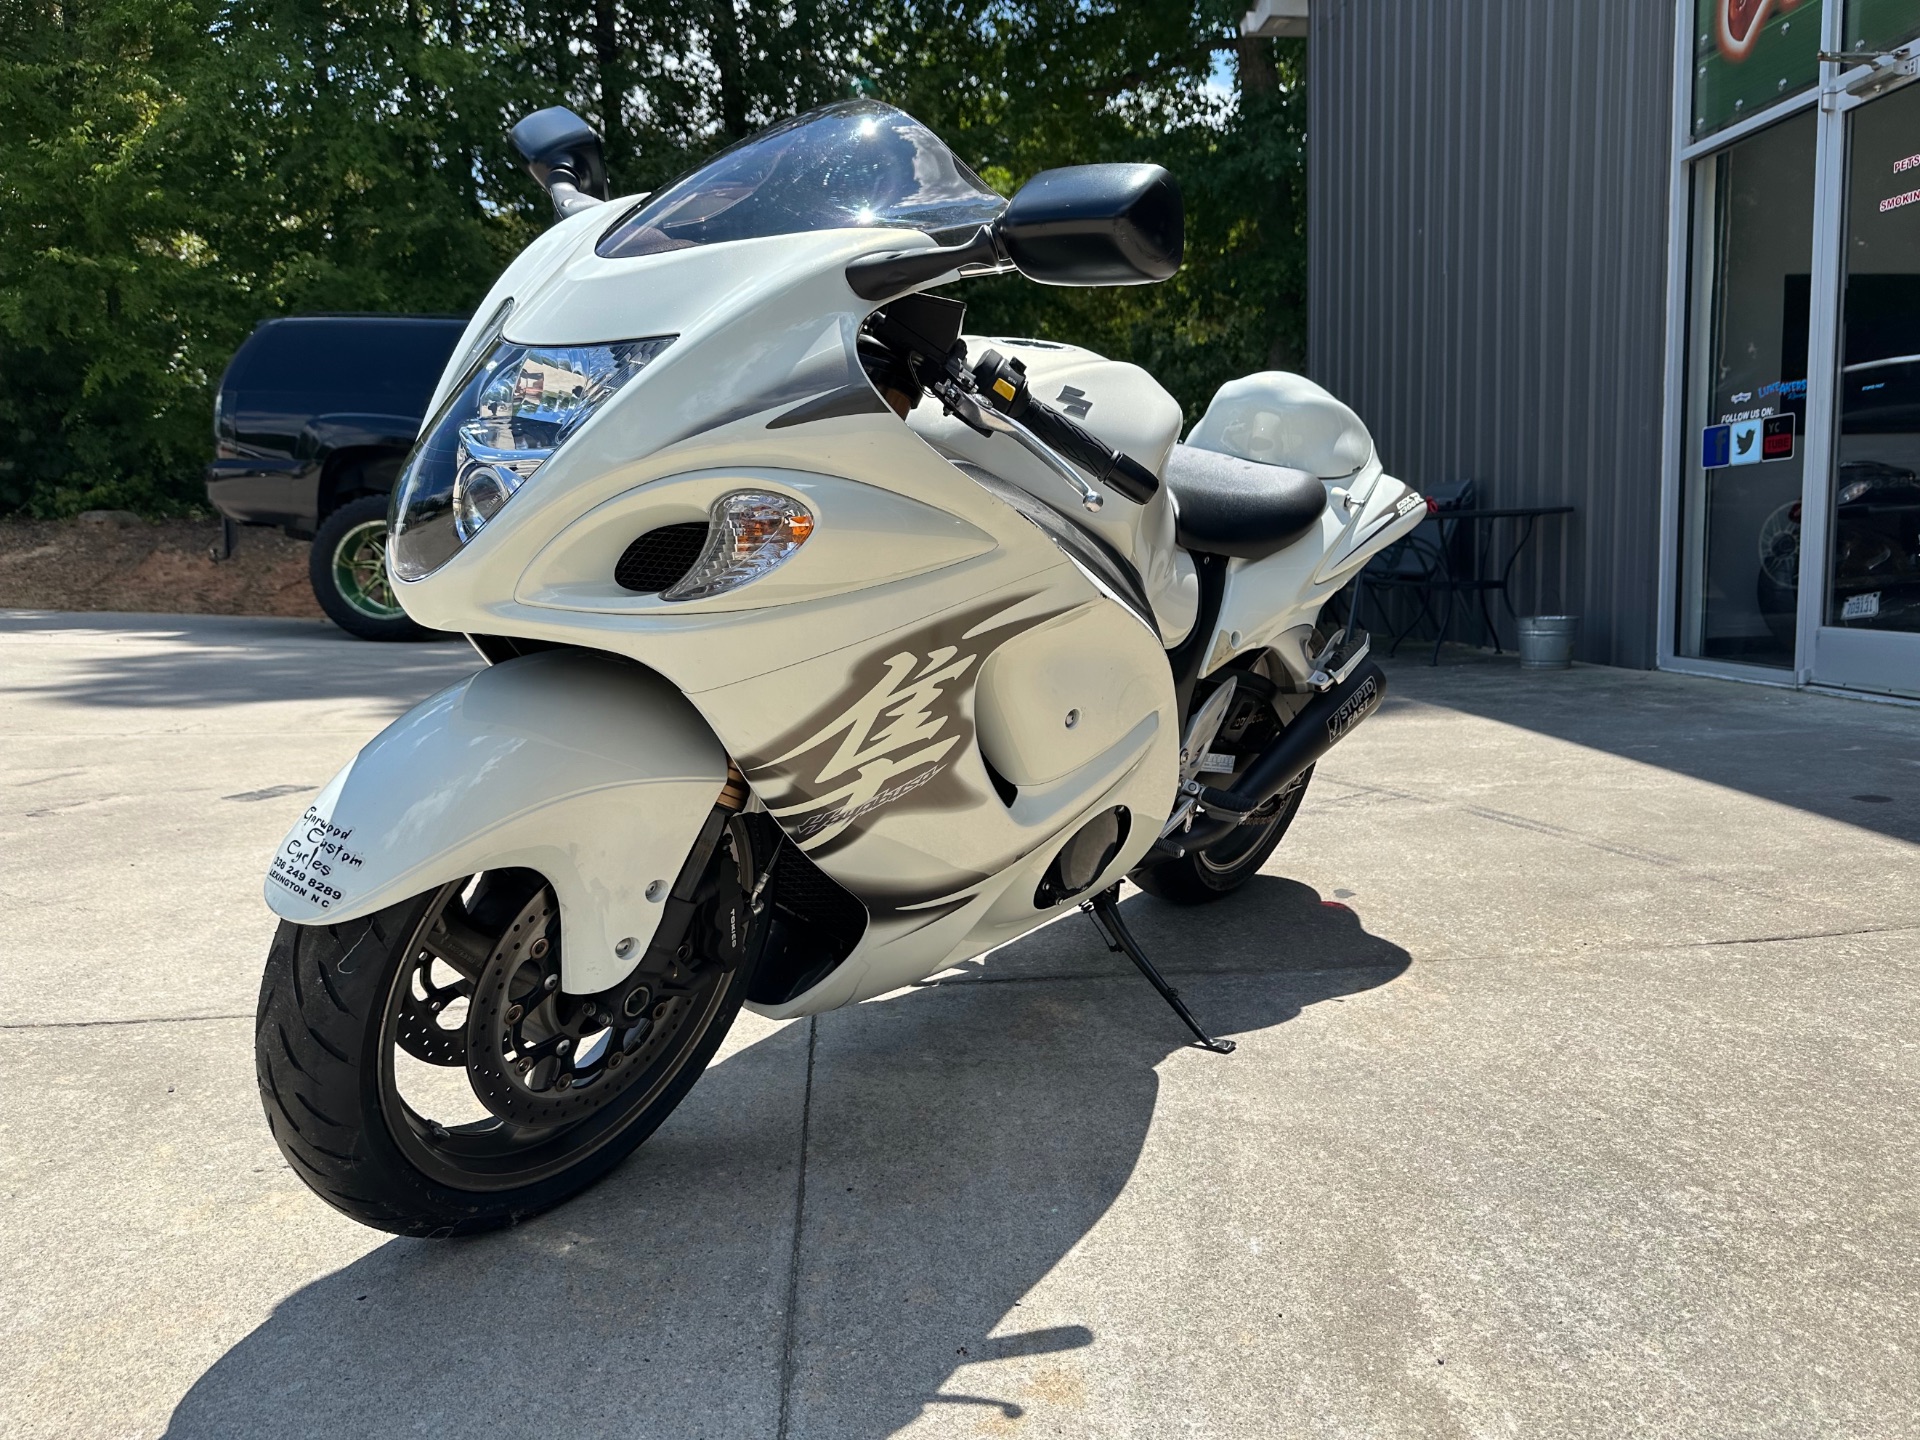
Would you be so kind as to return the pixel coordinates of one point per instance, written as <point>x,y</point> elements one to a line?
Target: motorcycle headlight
<point>1858,490</point>
<point>512,410</point>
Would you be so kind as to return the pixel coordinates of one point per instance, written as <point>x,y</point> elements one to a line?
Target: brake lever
<point>968,410</point>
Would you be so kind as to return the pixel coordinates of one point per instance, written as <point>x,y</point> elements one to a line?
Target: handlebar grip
<point>1107,465</point>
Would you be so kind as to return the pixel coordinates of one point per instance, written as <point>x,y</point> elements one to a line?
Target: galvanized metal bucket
<point>1546,641</point>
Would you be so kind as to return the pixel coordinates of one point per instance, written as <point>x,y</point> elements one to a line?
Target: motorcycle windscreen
<point>846,166</point>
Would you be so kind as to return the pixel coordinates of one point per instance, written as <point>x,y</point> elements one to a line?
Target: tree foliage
<point>173,171</point>
<point>1020,88</point>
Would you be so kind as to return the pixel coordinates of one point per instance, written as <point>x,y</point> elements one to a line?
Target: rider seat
<point>1230,506</point>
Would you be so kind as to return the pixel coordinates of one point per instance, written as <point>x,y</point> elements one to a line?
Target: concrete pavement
<point>1576,1095</point>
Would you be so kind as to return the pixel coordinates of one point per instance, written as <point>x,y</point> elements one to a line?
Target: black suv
<point>315,416</point>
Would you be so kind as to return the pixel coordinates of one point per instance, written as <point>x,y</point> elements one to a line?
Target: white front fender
<point>592,771</point>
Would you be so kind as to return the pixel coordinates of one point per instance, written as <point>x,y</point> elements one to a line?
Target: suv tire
<point>349,573</point>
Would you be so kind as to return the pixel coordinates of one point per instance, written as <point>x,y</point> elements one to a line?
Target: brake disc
<point>539,1056</point>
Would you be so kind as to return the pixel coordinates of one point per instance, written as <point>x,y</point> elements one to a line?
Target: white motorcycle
<point>828,647</point>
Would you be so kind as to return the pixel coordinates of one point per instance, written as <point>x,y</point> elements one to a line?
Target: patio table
<point>1436,568</point>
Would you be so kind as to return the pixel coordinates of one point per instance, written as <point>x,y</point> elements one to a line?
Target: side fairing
<point>879,766</point>
<point>845,683</point>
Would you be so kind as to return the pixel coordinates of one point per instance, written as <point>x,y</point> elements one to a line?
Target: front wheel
<point>348,567</point>
<point>1201,876</point>
<point>423,1072</point>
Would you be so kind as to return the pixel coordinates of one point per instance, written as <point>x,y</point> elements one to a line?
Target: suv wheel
<point>348,565</point>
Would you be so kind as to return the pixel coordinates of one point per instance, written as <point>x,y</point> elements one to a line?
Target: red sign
<point>1739,24</point>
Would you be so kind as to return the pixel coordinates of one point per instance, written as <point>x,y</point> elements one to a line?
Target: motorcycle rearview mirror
<point>564,154</point>
<point>1096,225</point>
<point>894,273</point>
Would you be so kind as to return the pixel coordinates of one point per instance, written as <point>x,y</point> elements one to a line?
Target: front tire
<point>348,567</point>
<point>1200,877</point>
<point>384,1096</point>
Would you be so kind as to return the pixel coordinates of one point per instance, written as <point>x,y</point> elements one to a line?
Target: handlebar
<point>1107,465</point>
<point>1003,385</point>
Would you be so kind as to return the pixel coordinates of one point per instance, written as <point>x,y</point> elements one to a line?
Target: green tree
<point>102,291</point>
<point>668,84</point>
<point>174,171</point>
<point>1019,86</point>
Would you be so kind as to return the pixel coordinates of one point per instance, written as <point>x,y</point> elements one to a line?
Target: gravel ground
<point>150,566</point>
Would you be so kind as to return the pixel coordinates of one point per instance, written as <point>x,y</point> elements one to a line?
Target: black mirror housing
<point>559,146</point>
<point>1096,225</point>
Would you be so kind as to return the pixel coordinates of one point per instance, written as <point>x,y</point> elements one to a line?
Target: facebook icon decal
<point>1716,447</point>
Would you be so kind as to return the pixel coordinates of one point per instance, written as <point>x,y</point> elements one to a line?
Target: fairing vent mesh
<point>815,925</point>
<point>660,557</point>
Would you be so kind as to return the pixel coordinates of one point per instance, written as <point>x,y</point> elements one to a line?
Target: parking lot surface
<point>1577,1094</point>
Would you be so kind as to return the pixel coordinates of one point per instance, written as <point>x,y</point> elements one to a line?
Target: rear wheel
<point>1201,876</point>
<point>348,567</point>
<point>423,1071</point>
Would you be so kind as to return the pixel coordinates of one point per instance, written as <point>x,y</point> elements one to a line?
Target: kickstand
<point>1105,910</point>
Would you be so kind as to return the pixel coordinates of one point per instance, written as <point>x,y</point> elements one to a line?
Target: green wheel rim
<point>360,572</point>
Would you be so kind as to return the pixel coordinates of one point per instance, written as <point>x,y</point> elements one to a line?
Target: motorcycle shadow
<point>961,1140</point>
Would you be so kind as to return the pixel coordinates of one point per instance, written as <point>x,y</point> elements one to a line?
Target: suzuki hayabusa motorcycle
<point>829,646</point>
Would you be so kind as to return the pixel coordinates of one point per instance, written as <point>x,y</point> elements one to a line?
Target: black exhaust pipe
<point>1323,722</point>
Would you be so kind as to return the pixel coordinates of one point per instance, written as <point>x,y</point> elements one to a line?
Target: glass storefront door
<point>1869,634</point>
<point>1746,398</point>
<point>1793,533</point>
<point>1879,24</point>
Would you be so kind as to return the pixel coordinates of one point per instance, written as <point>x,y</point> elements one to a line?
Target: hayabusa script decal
<point>894,731</point>
<point>892,740</point>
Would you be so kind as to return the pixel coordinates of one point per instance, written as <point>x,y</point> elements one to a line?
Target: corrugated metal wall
<point>1488,183</point>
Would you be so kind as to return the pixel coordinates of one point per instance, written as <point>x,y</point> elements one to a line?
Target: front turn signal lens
<point>752,532</point>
